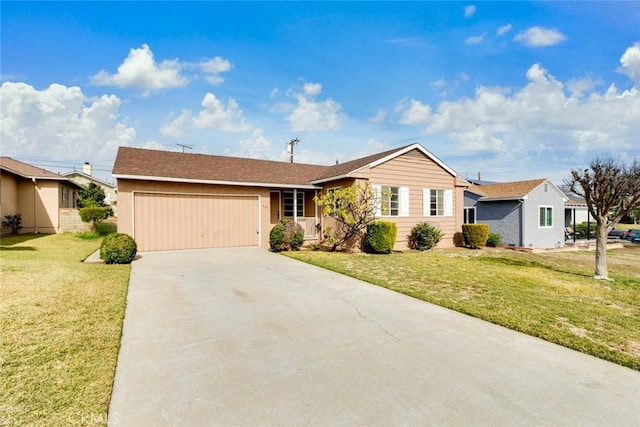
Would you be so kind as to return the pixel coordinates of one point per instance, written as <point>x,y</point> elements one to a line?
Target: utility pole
<point>290,145</point>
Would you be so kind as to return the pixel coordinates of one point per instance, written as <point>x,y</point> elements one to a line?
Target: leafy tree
<point>611,191</point>
<point>90,196</point>
<point>352,208</point>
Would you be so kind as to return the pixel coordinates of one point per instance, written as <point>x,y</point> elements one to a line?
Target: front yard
<point>61,322</point>
<point>548,295</point>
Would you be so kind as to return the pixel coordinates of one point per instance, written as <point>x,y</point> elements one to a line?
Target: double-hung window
<point>391,201</point>
<point>546,217</point>
<point>436,202</point>
<point>470,215</point>
<point>289,205</point>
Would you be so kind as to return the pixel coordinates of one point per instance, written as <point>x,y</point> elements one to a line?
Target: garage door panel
<point>183,221</point>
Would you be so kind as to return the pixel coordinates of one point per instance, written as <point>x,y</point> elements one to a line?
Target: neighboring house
<point>524,213</point>
<point>575,208</point>
<point>38,195</point>
<point>171,200</point>
<point>85,177</point>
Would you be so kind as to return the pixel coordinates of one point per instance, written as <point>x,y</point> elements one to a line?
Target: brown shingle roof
<point>508,190</point>
<point>202,167</point>
<point>350,166</point>
<point>154,164</point>
<point>26,170</point>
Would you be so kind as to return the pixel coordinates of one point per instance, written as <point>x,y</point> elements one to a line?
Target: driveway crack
<point>386,331</point>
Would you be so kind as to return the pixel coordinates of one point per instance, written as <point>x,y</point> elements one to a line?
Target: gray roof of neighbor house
<point>506,190</point>
<point>73,174</point>
<point>137,163</point>
<point>28,171</point>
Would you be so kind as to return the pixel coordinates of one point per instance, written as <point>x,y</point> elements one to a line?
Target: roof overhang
<point>501,199</point>
<point>385,159</point>
<point>216,182</point>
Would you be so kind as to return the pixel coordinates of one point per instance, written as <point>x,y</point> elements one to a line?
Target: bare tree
<point>611,190</point>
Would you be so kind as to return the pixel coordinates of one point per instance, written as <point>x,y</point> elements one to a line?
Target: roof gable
<point>349,168</point>
<point>73,174</point>
<point>515,190</point>
<point>26,170</point>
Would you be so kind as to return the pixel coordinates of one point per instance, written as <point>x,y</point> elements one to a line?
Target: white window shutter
<point>377,192</point>
<point>448,202</point>
<point>426,202</point>
<point>404,201</point>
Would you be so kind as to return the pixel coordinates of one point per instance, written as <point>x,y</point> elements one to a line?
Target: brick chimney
<point>86,168</point>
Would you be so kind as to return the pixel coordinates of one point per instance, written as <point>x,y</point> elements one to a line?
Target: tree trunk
<point>601,250</point>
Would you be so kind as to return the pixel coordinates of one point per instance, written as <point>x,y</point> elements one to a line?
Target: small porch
<point>299,206</point>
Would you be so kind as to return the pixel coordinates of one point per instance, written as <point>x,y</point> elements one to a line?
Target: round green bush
<point>475,235</point>
<point>286,235</point>
<point>118,248</point>
<point>381,237</point>
<point>424,236</point>
<point>494,240</point>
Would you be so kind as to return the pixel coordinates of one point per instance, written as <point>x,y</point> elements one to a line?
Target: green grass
<point>550,295</point>
<point>61,322</point>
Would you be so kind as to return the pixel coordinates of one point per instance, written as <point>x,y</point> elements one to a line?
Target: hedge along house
<point>525,213</point>
<point>41,197</point>
<point>170,200</point>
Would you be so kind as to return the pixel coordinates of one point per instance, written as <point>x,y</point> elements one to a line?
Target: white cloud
<point>541,113</point>
<point>630,62</point>
<point>140,71</point>
<point>312,89</point>
<point>469,11</point>
<point>475,39</point>
<point>212,69</point>
<point>582,85</point>
<point>257,146</point>
<point>60,122</point>
<point>414,112</point>
<point>540,37</point>
<point>213,115</point>
<point>378,117</point>
<point>440,83</point>
<point>501,31</point>
<point>311,115</point>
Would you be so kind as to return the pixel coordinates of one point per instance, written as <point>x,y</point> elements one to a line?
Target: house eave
<point>333,178</point>
<point>499,199</point>
<point>217,182</point>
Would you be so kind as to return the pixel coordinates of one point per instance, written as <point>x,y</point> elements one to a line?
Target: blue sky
<point>514,90</point>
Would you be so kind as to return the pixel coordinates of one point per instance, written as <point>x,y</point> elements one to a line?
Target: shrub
<point>424,236</point>
<point>13,223</point>
<point>118,248</point>
<point>95,214</point>
<point>286,235</point>
<point>475,235</point>
<point>494,240</point>
<point>381,237</point>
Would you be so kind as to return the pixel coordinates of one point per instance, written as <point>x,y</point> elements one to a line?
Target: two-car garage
<point>167,221</point>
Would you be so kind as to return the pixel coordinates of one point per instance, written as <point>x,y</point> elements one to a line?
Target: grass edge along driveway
<point>61,323</point>
<point>551,296</point>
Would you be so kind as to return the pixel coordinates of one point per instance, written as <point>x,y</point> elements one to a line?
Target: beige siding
<point>417,172</point>
<point>39,212</point>
<point>126,189</point>
<point>8,196</point>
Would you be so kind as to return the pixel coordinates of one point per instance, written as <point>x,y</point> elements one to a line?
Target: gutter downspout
<point>35,205</point>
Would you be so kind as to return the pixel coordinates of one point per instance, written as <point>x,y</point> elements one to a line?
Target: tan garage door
<point>183,221</point>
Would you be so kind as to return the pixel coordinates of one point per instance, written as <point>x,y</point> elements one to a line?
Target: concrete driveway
<point>246,337</point>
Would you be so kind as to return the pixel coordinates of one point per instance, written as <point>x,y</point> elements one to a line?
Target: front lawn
<point>61,322</point>
<point>548,295</point>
